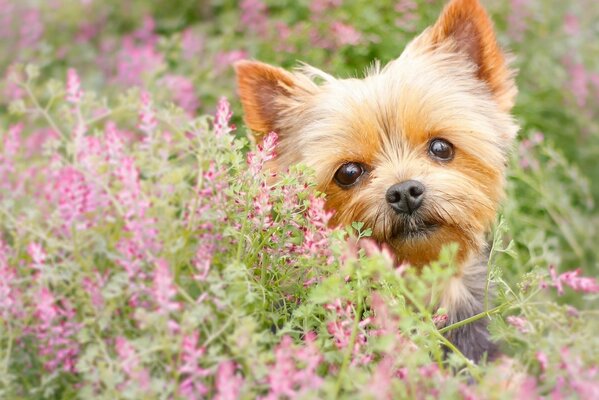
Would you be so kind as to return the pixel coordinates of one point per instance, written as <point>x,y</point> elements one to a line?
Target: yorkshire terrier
<point>416,150</point>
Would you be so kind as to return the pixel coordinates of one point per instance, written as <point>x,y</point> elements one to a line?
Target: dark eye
<point>348,174</point>
<point>440,149</point>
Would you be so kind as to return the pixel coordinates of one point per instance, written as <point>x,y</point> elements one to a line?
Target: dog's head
<point>416,149</point>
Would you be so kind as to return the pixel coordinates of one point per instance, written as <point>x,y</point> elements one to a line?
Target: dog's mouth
<point>413,229</point>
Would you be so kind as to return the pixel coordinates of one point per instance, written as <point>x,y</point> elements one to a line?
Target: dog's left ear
<point>263,90</point>
<point>467,25</point>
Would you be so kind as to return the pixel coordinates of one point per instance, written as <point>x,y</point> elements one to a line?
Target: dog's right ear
<point>263,90</point>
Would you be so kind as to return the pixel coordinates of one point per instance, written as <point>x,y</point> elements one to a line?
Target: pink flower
<point>182,91</point>
<point>32,28</point>
<point>10,295</point>
<point>139,377</point>
<point>192,44</point>
<point>147,116</point>
<point>254,16</point>
<point>136,59</point>
<point>285,378</point>
<point>572,279</point>
<point>265,153</point>
<point>55,330</point>
<point>517,19</point>
<point>12,144</point>
<point>224,60</point>
<point>228,383</point>
<point>578,82</point>
<point>164,289</point>
<point>345,34</point>
<point>94,288</point>
<point>408,15</point>
<point>222,118</point>
<point>579,379</point>
<point>543,360</point>
<point>380,386</point>
<point>12,91</point>
<point>74,92</point>
<point>38,255</point>
<point>192,387</point>
<point>341,327</point>
<point>571,24</point>
<point>519,323</point>
<point>319,7</point>
<point>204,255</point>
<point>284,33</point>
<point>114,144</point>
<point>74,195</point>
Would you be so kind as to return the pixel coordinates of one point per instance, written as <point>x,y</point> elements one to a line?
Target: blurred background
<point>183,50</point>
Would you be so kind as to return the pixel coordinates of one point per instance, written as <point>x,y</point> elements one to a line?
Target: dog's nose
<point>405,197</point>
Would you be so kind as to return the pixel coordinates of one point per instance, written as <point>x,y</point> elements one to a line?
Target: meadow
<point>146,253</point>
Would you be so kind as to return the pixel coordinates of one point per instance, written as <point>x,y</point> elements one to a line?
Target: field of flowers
<point>143,255</point>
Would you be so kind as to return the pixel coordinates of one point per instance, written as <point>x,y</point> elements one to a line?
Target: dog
<point>417,149</point>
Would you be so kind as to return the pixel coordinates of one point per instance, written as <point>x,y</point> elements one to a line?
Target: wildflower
<point>228,383</point>
<point>543,360</point>
<point>224,60</point>
<point>407,9</point>
<point>380,386</point>
<point>191,387</point>
<point>345,34</point>
<point>222,118</point>
<point>319,7</point>
<point>192,44</point>
<point>285,378</point>
<point>147,117</point>
<point>341,330</point>
<point>164,290</point>
<point>12,144</point>
<point>135,59</point>
<point>573,280</point>
<point>265,153</point>
<point>74,92</point>
<point>139,377</point>
<point>10,295</point>
<point>74,195</point>
<point>32,28</point>
<point>12,91</point>
<point>38,255</point>
<point>254,16</point>
<point>519,13</point>
<point>183,93</point>
<point>578,82</point>
<point>114,143</point>
<point>571,24</point>
<point>521,324</point>
<point>93,286</point>
<point>55,330</point>
<point>203,256</point>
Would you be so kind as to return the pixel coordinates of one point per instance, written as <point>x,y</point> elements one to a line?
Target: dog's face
<point>416,150</point>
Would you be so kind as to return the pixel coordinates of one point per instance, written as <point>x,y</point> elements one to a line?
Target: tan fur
<point>451,82</point>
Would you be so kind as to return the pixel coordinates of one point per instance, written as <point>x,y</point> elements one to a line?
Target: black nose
<point>405,197</point>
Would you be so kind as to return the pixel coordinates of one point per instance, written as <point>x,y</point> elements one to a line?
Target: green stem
<point>349,349</point>
<point>42,110</point>
<point>472,368</point>
<point>475,318</point>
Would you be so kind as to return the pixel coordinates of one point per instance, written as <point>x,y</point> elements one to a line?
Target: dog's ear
<point>263,89</point>
<point>467,25</point>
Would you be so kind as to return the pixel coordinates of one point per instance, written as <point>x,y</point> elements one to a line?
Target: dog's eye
<point>348,174</point>
<point>440,149</point>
